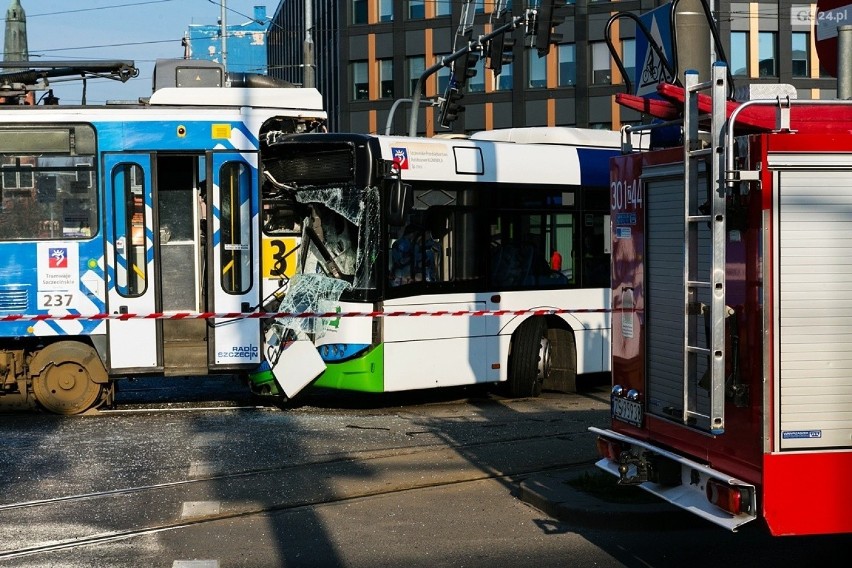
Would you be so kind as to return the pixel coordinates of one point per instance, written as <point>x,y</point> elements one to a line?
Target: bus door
<point>234,274</point>
<point>133,343</point>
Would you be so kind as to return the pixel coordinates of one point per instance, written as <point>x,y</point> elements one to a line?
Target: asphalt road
<point>426,480</point>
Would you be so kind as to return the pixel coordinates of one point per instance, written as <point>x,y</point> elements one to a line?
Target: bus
<point>432,262</point>
<point>118,220</point>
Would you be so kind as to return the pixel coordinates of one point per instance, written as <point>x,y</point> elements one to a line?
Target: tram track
<point>131,512</point>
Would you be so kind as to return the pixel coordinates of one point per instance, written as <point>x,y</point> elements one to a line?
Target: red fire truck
<point>732,310</point>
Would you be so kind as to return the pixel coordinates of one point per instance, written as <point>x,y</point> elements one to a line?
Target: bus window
<point>596,258</point>
<point>235,242</point>
<point>524,247</point>
<point>129,222</point>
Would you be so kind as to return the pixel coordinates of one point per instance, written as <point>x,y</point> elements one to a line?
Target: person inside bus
<point>413,257</point>
<point>555,260</point>
<point>402,258</point>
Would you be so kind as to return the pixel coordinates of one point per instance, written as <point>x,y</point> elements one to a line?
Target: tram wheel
<point>66,379</point>
<point>530,359</point>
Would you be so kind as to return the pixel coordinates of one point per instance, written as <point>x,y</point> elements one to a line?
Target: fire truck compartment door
<point>813,313</point>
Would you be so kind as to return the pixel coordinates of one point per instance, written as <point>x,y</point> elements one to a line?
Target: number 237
<point>56,300</point>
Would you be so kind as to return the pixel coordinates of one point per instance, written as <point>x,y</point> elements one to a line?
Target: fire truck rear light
<point>734,500</point>
<point>609,449</point>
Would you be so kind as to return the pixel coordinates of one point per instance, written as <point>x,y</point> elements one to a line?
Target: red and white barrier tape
<point>302,315</point>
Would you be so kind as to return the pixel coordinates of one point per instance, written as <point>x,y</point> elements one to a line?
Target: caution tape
<point>292,315</point>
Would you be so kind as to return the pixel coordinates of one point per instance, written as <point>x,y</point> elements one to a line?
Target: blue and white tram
<point>150,210</point>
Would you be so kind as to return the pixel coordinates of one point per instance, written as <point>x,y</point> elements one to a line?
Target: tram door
<point>234,272</point>
<point>181,190</point>
<point>130,265</point>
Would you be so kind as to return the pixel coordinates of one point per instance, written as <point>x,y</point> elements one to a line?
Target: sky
<point>138,30</point>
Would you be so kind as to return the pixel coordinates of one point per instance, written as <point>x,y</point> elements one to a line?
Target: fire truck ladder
<point>702,209</point>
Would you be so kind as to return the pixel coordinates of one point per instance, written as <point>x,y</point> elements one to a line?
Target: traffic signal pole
<point>474,45</point>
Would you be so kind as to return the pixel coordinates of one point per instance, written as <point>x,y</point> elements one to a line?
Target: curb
<point>553,495</point>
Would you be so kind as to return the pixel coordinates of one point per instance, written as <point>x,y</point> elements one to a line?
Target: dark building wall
<point>286,50</point>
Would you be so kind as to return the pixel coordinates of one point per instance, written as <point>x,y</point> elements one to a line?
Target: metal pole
<point>309,80</point>
<point>844,62</point>
<point>445,62</point>
<point>224,37</point>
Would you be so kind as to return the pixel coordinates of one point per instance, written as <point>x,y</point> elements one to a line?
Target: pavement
<point>553,494</point>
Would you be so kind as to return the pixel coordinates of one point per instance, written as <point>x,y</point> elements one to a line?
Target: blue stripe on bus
<point>594,166</point>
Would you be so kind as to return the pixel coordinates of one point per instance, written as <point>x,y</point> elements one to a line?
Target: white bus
<point>444,261</point>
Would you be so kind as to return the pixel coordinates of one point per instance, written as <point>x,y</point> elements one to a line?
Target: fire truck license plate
<point>627,410</point>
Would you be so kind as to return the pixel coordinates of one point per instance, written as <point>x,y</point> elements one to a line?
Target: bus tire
<point>68,378</point>
<point>563,361</point>
<point>529,359</point>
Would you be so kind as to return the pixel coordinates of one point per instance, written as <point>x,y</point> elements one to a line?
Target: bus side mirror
<point>400,202</point>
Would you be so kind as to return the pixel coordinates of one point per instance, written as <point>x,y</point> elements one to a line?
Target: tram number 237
<point>277,256</point>
<point>48,300</point>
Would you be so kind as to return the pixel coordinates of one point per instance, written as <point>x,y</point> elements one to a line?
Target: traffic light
<point>450,106</point>
<point>463,69</point>
<point>500,52</point>
<point>46,189</point>
<point>546,19</point>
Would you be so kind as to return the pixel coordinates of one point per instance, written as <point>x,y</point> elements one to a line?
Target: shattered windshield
<point>337,255</point>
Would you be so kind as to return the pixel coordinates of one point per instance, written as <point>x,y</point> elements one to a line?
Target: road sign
<point>650,71</point>
<point>830,15</point>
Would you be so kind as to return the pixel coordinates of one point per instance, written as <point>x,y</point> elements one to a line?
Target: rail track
<point>129,512</point>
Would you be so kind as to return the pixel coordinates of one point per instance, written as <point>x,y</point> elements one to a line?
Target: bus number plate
<point>628,411</point>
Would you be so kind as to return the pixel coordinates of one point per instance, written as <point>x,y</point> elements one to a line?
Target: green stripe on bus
<point>362,374</point>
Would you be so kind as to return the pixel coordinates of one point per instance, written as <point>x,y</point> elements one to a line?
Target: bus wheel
<point>529,359</point>
<point>69,377</point>
<point>563,368</point>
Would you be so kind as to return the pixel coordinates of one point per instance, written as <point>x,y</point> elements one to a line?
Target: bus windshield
<point>337,251</point>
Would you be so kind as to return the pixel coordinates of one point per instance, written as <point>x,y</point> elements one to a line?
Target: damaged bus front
<point>332,186</point>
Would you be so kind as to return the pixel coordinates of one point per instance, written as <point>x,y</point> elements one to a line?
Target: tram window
<point>41,195</point>
<point>235,243</point>
<point>129,223</point>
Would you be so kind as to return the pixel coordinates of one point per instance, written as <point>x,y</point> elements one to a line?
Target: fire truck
<point>732,309</point>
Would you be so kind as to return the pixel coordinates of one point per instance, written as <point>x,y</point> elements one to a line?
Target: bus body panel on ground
<point>785,439</point>
<point>123,228</point>
<point>450,261</point>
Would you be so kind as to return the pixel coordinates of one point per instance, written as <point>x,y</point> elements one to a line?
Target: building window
<point>567,54</point>
<point>479,7</point>
<point>504,80</point>
<point>359,11</point>
<point>360,81</point>
<point>801,52</point>
<point>537,69</point>
<point>628,58</point>
<point>767,53</point>
<point>385,78</point>
<point>739,53</point>
<point>443,7</point>
<point>601,69</point>
<point>416,9</point>
<point>415,66</point>
<point>385,10</point>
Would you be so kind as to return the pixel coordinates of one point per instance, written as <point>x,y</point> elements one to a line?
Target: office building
<point>368,55</point>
